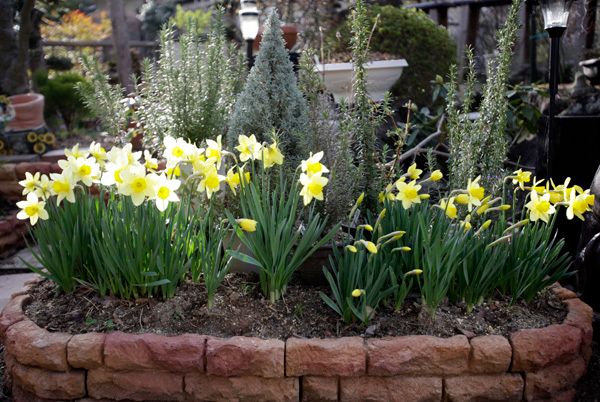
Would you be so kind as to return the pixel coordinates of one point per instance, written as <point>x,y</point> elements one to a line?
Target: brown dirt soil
<point>240,309</point>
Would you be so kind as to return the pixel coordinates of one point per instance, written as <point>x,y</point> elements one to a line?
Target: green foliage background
<point>412,35</point>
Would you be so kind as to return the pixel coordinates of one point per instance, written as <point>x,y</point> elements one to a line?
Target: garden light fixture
<point>249,25</point>
<point>556,15</point>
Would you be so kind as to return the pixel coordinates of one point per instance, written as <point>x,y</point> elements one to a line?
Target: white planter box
<point>381,76</point>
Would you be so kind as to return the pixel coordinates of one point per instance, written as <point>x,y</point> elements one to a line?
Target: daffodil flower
<point>408,193</point>
<point>176,150</point>
<point>214,149</point>
<point>312,187</point>
<point>540,207</point>
<point>248,148</point>
<point>98,152</point>
<point>136,184</point>
<point>369,245</point>
<point>164,190</point>
<point>211,182</point>
<point>272,156</point>
<point>413,172</point>
<point>81,169</point>
<point>43,189</point>
<point>30,183</point>
<point>233,179</point>
<point>313,166</point>
<point>247,225</point>
<point>32,209</point>
<point>150,163</point>
<point>75,152</point>
<point>475,194</point>
<point>520,178</point>
<point>62,186</point>
<point>577,205</point>
<point>351,248</point>
<point>448,207</point>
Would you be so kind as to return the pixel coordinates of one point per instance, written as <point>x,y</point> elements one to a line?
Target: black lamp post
<point>556,15</point>
<point>249,25</point>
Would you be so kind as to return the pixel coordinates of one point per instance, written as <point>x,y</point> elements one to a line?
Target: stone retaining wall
<point>530,365</point>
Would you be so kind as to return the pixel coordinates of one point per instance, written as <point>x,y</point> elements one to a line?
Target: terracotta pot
<point>290,36</point>
<point>29,112</point>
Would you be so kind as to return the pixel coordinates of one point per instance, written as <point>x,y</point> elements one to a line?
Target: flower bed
<point>531,364</point>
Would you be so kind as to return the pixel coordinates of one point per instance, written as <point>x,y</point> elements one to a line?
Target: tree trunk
<point>36,52</point>
<point>13,78</point>
<point>121,42</point>
<point>23,39</point>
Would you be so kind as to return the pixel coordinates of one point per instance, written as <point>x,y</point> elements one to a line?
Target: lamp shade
<point>555,13</point>
<point>249,22</point>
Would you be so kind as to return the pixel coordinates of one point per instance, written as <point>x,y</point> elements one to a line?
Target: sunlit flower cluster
<point>146,177</point>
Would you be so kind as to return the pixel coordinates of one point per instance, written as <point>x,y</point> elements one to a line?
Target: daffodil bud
<point>415,272</point>
<point>358,292</point>
<point>351,248</point>
<point>424,196</point>
<point>360,198</point>
<point>436,175</point>
<point>247,225</point>
<point>366,227</point>
<point>462,199</point>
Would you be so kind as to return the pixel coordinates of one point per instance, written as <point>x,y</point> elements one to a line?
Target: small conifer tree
<point>271,98</point>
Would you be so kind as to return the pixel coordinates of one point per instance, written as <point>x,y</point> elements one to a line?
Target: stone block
<point>550,381</point>
<point>391,389</point>
<point>319,388</point>
<point>153,385</point>
<point>474,388</point>
<point>418,355</point>
<point>49,384</point>
<point>245,356</point>
<point>86,350</point>
<point>203,387</point>
<point>541,347</point>
<point>490,354</point>
<point>325,357</point>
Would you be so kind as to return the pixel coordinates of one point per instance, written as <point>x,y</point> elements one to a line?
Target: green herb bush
<point>409,34</point>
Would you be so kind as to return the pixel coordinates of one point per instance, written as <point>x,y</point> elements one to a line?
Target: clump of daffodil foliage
<point>479,147</point>
<point>464,248</point>
<point>143,240</point>
<point>271,98</point>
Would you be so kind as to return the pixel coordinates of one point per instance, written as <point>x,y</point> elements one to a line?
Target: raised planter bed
<point>531,364</point>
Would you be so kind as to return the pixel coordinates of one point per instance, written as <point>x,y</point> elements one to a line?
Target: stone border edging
<point>531,364</point>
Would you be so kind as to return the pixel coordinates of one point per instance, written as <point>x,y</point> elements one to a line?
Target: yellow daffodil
<point>43,188</point>
<point>214,149</point>
<point>30,183</point>
<point>408,193</point>
<point>520,178</point>
<point>448,207</point>
<point>578,205</point>
<point>81,169</point>
<point>504,207</point>
<point>248,148</point>
<point>233,179</point>
<point>272,156</point>
<point>136,184</point>
<point>164,190</point>
<point>176,150</point>
<point>98,152</point>
<point>351,248</point>
<point>312,187</point>
<point>485,205</point>
<point>436,175</point>
<point>313,165</point>
<point>413,172</point>
<point>540,207</point>
<point>32,209</point>
<point>415,272</point>
<point>247,225</point>
<point>475,194</point>
<point>150,163</point>
<point>75,152</point>
<point>358,292</point>
<point>62,186</point>
<point>211,182</point>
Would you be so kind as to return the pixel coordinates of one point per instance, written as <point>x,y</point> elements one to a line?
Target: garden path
<point>14,273</point>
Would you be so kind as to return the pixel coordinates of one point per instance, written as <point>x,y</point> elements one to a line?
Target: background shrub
<point>412,35</point>
<point>61,96</point>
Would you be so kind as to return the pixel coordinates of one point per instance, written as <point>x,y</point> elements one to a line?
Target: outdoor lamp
<point>249,26</point>
<point>556,15</point>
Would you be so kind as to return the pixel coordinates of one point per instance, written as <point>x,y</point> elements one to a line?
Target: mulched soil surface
<point>240,309</point>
